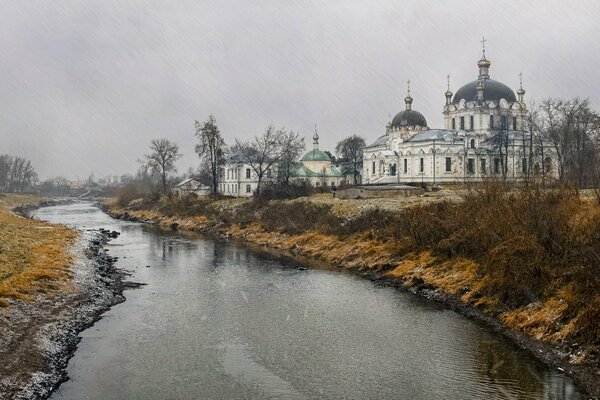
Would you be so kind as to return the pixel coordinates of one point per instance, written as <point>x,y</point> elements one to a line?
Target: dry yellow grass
<point>34,255</point>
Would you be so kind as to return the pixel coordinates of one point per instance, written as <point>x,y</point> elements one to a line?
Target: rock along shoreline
<point>41,336</point>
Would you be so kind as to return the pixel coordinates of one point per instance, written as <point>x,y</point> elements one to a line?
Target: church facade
<point>484,134</point>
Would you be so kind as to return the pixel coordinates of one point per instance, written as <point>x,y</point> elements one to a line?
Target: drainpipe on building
<point>433,162</point>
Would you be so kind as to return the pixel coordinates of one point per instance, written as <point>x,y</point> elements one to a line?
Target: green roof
<point>302,172</point>
<point>316,155</point>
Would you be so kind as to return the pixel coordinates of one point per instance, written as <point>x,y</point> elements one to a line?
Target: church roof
<point>437,134</point>
<point>381,141</point>
<point>302,172</point>
<point>493,90</point>
<point>316,155</point>
<point>409,118</point>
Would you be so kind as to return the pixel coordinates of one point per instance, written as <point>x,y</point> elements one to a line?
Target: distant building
<point>484,135</point>
<point>189,186</point>
<point>238,178</point>
<point>317,168</point>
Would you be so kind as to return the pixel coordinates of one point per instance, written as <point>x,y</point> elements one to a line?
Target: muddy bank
<point>377,261</point>
<point>37,338</point>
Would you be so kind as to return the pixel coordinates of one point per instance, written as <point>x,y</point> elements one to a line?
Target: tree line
<point>16,174</point>
<point>567,128</point>
<point>274,147</point>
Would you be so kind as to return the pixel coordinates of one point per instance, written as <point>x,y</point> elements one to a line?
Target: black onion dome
<point>409,118</point>
<point>493,90</point>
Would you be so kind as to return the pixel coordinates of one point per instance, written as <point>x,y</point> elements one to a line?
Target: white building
<point>239,179</point>
<point>484,135</point>
<point>189,186</point>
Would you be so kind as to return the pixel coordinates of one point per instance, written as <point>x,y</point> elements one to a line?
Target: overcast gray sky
<point>85,85</point>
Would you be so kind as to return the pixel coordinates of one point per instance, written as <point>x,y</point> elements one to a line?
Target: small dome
<point>316,155</point>
<point>409,118</point>
<point>483,63</point>
<point>493,90</point>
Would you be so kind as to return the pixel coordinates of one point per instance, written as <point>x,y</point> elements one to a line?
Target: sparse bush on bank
<point>279,191</point>
<point>528,245</point>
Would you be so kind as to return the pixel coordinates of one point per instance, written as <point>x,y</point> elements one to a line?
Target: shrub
<point>279,191</point>
<point>127,194</point>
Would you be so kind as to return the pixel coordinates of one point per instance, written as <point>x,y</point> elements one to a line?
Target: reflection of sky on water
<point>219,321</point>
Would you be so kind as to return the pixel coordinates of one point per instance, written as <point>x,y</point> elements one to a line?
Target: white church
<point>484,135</point>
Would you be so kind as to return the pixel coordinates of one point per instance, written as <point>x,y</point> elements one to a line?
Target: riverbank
<point>402,248</point>
<point>54,282</point>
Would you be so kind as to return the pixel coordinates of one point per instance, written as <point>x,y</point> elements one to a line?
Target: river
<point>217,320</point>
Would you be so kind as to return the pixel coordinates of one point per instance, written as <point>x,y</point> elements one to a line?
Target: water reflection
<point>217,320</point>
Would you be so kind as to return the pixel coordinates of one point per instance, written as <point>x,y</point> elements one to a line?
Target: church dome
<point>316,155</point>
<point>493,90</point>
<point>408,118</point>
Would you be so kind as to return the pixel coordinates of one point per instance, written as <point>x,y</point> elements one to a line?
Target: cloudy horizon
<point>85,86</point>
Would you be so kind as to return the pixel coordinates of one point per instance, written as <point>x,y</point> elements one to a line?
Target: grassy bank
<point>529,258</point>
<point>34,256</point>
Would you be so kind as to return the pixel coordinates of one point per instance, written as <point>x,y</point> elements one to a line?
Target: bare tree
<point>573,129</point>
<point>210,149</point>
<point>162,159</point>
<point>263,152</point>
<point>16,174</point>
<point>292,145</point>
<point>350,151</point>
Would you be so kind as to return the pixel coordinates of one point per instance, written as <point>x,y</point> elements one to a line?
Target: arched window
<point>453,123</point>
<point>503,122</point>
<point>514,123</point>
<point>381,167</point>
<point>472,143</point>
<point>393,169</point>
<point>491,122</point>
<point>472,123</point>
<point>462,123</point>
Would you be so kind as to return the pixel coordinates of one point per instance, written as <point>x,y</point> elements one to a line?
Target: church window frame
<point>405,166</point>
<point>470,165</point>
<point>453,123</point>
<point>491,122</point>
<point>514,123</point>
<point>448,164</point>
<point>373,168</point>
<point>421,165</point>
<point>472,122</point>
<point>524,165</point>
<point>483,163</point>
<point>393,169</point>
<point>496,165</point>
<point>462,123</point>
<point>547,164</point>
<point>472,144</point>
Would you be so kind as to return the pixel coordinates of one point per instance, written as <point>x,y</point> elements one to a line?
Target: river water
<point>219,321</point>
